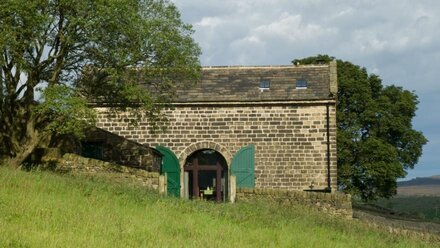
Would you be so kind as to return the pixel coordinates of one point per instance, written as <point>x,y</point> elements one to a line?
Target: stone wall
<point>337,204</point>
<point>290,137</point>
<point>86,166</point>
<point>118,150</point>
<point>102,145</point>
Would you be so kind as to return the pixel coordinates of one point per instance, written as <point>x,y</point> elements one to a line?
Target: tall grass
<point>41,209</point>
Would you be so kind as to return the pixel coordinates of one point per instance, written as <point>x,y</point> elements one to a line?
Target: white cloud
<point>293,28</point>
<point>248,40</point>
<point>210,22</point>
<point>372,33</point>
<point>345,12</point>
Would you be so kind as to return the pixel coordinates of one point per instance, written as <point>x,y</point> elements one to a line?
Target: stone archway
<point>206,176</point>
<point>200,146</point>
<point>204,145</point>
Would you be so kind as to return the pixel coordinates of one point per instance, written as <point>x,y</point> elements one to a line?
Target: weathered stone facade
<point>293,129</point>
<point>102,145</point>
<point>118,150</point>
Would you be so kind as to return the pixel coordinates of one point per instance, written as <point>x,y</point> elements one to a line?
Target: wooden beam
<point>195,179</point>
<point>203,168</point>
<point>218,184</point>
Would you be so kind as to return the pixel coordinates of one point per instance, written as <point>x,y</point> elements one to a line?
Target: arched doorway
<point>206,175</point>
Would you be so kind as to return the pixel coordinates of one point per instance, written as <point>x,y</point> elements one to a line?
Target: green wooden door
<point>170,166</point>
<point>243,167</point>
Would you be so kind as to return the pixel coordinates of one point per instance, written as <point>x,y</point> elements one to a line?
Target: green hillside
<point>41,209</point>
<point>422,207</point>
<point>418,198</point>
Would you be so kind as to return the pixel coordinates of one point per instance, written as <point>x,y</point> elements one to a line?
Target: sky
<point>399,40</point>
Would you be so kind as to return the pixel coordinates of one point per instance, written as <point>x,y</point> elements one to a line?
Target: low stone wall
<point>337,204</point>
<point>81,165</point>
<point>119,150</point>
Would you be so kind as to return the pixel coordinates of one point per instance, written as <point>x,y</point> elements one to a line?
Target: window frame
<point>301,84</point>
<point>264,84</point>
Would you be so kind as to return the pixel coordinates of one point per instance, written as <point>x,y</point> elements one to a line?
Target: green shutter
<point>243,167</point>
<point>170,166</point>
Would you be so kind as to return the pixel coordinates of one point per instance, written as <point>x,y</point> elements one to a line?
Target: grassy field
<point>423,207</point>
<point>419,190</point>
<point>41,209</point>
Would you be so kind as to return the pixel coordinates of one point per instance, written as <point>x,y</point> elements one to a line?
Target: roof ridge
<point>261,66</point>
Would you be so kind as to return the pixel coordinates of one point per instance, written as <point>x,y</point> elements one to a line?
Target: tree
<point>376,142</point>
<point>58,55</point>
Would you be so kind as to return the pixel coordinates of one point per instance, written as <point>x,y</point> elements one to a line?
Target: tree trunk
<point>25,150</point>
<point>23,138</point>
<point>21,156</point>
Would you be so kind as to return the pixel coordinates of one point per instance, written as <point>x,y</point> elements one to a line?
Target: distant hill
<point>434,180</point>
<point>420,186</point>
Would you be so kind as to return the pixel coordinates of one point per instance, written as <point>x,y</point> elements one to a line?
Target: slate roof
<point>242,84</point>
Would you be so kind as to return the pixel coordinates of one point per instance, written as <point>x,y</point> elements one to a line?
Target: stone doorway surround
<point>202,145</point>
<point>207,175</point>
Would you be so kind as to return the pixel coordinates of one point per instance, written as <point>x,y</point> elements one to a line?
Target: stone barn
<point>262,127</point>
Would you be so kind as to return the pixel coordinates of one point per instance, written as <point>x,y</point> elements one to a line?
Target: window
<point>264,84</point>
<point>301,84</point>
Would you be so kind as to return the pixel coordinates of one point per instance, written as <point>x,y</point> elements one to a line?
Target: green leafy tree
<point>57,56</point>
<point>376,142</point>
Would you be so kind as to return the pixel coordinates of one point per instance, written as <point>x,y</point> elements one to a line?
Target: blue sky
<point>399,40</point>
